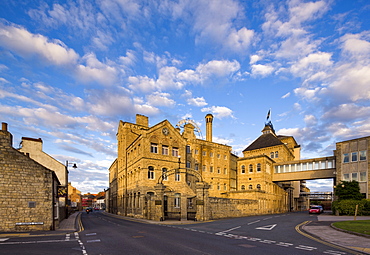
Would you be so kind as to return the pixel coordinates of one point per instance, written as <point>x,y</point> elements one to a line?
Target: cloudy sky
<point>70,70</point>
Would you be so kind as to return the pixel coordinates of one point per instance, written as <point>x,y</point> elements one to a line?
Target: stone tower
<point>209,119</point>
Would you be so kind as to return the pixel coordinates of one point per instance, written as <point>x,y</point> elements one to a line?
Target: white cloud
<point>3,80</point>
<point>142,83</point>
<point>219,111</point>
<point>160,99</point>
<point>216,25</point>
<point>312,64</point>
<point>240,40</point>
<point>347,112</point>
<point>261,70</point>
<point>254,59</point>
<point>27,45</point>
<point>220,68</point>
<point>356,44</point>
<point>107,103</point>
<point>129,59</point>
<point>94,70</point>
<point>197,101</point>
<point>286,95</point>
<point>308,94</point>
<point>310,120</point>
<point>172,78</point>
<point>222,140</point>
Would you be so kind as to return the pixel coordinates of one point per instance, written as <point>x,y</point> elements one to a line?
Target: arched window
<point>271,155</point>
<point>259,167</point>
<point>250,186</point>
<point>164,174</point>
<point>276,154</point>
<point>250,168</point>
<point>150,172</point>
<point>242,187</point>
<point>259,186</point>
<point>243,169</point>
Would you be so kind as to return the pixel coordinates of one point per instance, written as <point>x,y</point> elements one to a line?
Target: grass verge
<point>358,226</point>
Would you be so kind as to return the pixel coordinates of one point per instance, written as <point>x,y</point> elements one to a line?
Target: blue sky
<point>70,70</point>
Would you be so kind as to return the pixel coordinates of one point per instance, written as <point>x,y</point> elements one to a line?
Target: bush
<point>348,207</point>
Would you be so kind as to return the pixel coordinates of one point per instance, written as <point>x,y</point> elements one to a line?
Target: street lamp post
<point>66,185</point>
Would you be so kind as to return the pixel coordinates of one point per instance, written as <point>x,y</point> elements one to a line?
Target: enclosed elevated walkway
<point>308,169</point>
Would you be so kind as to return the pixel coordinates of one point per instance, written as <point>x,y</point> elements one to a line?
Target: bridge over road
<point>308,169</point>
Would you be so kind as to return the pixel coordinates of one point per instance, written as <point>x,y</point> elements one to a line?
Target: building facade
<point>29,189</point>
<point>33,148</point>
<point>164,172</point>
<point>75,198</point>
<point>352,163</point>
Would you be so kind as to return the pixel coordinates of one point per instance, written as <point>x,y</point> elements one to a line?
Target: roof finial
<point>268,121</point>
<point>268,115</point>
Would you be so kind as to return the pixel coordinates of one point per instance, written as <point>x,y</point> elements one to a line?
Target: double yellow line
<point>80,225</point>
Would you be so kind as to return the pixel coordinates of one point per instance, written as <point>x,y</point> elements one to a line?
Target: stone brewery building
<point>29,190</point>
<point>163,173</point>
<point>166,172</point>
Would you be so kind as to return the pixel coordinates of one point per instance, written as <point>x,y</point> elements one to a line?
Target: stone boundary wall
<point>228,207</point>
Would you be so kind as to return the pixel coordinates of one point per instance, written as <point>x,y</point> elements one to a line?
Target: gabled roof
<point>264,141</point>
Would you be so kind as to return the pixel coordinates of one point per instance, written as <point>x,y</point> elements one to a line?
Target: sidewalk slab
<point>68,224</point>
<point>323,230</point>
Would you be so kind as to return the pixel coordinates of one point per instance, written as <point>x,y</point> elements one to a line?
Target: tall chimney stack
<point>4,126</point>
<point>6,138</point>
<point>209,119</point>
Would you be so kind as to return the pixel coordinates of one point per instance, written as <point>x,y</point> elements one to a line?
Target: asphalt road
<point>107,234</point>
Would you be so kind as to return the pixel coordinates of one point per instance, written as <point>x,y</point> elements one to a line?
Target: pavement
<point>317,230</point>
<point>324,230</point>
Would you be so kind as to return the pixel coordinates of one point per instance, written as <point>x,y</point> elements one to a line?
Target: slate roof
<point>264,141</point>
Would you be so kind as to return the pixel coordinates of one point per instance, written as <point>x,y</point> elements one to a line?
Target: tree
<point>348,190</point>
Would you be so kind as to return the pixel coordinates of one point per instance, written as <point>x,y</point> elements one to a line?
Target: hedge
<point>348,207</point>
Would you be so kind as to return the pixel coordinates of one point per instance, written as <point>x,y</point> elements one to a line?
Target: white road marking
<point>225,231</point>
<point>268,227</point>
<point>253,222</point>
<point>334,252</point>
<point>93,241</point>
<point>284,244</point>
<point>307,248</point>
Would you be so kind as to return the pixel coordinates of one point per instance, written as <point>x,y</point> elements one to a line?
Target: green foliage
<point>348,207</point>
<point>348,190</point>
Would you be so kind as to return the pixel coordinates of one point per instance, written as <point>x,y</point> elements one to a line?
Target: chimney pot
<point>4,126</point>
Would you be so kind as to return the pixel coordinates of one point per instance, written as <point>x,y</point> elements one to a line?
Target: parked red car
<point>316,209</point>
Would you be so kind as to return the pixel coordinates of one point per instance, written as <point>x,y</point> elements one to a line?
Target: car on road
<point>316,209</point>
<point>89,209</point>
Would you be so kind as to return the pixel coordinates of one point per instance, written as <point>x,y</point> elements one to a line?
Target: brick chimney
<point>142,120</point>
<point>6,138</point>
